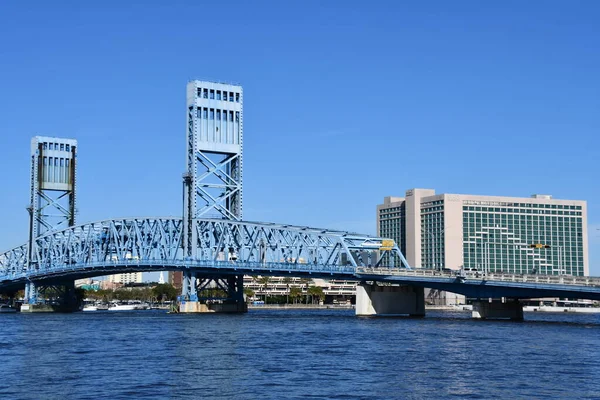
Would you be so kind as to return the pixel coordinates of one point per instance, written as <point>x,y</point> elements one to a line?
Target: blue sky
<point>344,102</point>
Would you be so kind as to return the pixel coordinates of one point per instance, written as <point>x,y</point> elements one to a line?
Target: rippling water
<point>273,354</point>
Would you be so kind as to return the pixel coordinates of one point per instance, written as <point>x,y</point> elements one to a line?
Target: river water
<point>297,354</point>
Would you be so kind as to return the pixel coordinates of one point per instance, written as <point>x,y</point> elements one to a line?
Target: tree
<point>264,282</point>
<point>287,280</point>
<point>316,291</point>
<point>249,293</point>
<point>164,292</point>
<point>306,282</point>
<point>295,294</point>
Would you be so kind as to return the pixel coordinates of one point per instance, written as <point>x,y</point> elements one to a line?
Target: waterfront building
<point>523,235</point>
<point>280,286</point>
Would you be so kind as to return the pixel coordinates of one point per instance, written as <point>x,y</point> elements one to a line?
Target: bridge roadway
<point>252,248</point>
<point>515,286</point>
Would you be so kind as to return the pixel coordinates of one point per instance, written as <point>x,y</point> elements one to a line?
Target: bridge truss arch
<point>223,246</point>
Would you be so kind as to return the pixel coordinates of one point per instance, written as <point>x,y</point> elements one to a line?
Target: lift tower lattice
<point>52,201</point>
<point>213,178</point>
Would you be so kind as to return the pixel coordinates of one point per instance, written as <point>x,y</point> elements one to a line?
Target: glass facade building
<point>530,235</point>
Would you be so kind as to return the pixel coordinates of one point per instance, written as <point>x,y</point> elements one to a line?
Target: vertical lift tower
<point>212,187</point>
<point>52,207</point>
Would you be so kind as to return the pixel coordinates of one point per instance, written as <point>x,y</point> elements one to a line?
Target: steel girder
<point>222,246</point>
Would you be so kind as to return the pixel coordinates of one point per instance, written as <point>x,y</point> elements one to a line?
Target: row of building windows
<point>520,218</point>
<point>56,146</point>
<point>529,211</point>
<point>515,207</point>
<point>218,95</point>
<point>210,113</point>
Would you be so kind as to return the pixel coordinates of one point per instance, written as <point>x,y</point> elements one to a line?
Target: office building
<point>537,234</point>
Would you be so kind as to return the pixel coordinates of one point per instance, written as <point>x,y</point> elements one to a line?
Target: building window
<point>205,93</point>
<point>50,146</point>
<point>231,116</point>
<point>212,113</point>
<point>218,115</point>
<point>212,94</point>
<point>62,147</point>
<point>205,114</point>
<point>218,95</point>
<point>231,96</point>
<point>237,97</point>
<point>45,145</point>
<point>237,116</point>
<point>199,92</point>
<point>67,147</point>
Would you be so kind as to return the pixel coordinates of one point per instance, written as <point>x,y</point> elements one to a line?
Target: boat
<point>122,307</point>
<point>95,307</point>
<point>7,308</point>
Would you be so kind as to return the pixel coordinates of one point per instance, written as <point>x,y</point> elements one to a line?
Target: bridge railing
<point>248,268</point>
<point>522,278</point>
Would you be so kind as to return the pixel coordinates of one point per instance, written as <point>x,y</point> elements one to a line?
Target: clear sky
<point>345,102</point>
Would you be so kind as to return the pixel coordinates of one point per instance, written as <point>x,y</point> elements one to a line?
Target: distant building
<point>129,277</point>
<point>537,234</point>
<point>175,278</point>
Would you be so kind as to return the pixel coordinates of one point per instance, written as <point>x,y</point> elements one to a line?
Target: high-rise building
<point>537,234</point>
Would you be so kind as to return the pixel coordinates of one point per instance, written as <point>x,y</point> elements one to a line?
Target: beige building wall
<point>413,224</point>
<point>453,231</point>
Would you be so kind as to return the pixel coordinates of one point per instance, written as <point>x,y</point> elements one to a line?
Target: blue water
<point>272,354</point>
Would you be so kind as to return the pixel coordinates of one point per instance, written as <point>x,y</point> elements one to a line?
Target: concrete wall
<point>374,300</point>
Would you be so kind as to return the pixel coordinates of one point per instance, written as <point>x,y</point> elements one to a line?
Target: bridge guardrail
<point>521,278</point>
<point>159,265</point>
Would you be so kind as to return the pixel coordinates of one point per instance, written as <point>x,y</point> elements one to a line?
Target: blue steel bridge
<point>227,247</point>
<point>218,252</point>
<point>223,246</point>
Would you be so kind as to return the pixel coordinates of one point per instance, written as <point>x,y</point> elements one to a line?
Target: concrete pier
<point>48,308</point>
<point>375,300</point>
<point>498,309</point>
<point>198,307</point>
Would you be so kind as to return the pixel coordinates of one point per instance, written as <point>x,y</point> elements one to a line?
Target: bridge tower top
<point>53,174</point>
<point>213,177</point>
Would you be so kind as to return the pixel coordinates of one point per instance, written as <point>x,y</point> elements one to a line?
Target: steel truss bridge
<point>222,247</point>
<point>227,247</point>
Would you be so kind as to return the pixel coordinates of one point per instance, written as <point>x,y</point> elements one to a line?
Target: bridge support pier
<point>63,298</point>
<point>498,309</point>
<point>208,293</point>
<point>375,300</point>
